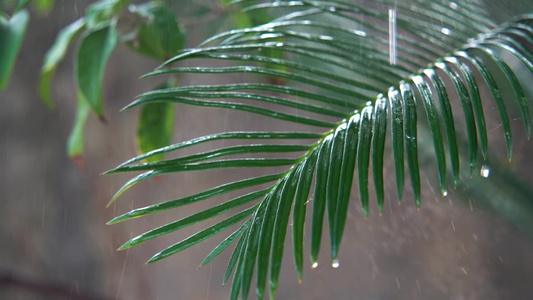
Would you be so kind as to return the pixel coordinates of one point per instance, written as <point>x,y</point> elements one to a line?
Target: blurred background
<point>476,243</point>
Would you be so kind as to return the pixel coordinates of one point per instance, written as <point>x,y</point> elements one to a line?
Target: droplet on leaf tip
<point>335,263</point>
<point>485,171</point>
<point>314,265</point>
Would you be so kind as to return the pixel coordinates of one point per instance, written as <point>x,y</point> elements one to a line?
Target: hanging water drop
<point>392,36</point>
<point>314,265</point>
<point>335,263</point>
<point>446,31</point>
<point>485,171</point>
<point>453,5</point>
<point>445,193</point>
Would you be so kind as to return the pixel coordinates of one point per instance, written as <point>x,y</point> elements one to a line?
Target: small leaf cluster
<point>152,30</point>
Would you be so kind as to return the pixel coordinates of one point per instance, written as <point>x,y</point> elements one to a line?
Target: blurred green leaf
<point>100,13</point>
<point>75,139</point>
<point>53,57</point>
<point>93,52</point>
<point>155,127</point>
<point>21,4</point>
<point>161,36</point>
<point>11,36</point>
<point>43,6</point>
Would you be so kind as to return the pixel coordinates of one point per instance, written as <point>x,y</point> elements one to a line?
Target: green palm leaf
<point>357,93</point>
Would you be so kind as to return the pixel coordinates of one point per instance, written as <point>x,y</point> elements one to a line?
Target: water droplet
<point>392,36</point>
<point>445,193</point>
<point>335,263</point>
<point>454,5</point>
<point>332,9</point>
<point>358,32</point>
<point>269,35</point>
<point>368,103</point>
<point>485,171</point>
<point>446,31</point>
<point>314,265</point>
<point>279,44</point>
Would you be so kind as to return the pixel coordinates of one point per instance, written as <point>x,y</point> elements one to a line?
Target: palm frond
<point>337,49</point>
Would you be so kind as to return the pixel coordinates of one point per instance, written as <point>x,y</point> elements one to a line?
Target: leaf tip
<point>78,161</point>
<point>115,220</point>
<point>103,119</point>
<point>124,247</point>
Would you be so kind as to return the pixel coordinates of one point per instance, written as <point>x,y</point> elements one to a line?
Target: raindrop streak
<point>314,265</point>
<point>485,171</point>
<point>335,263</point>
<point>392,36</point>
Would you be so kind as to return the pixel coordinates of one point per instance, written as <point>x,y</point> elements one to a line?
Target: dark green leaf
<point>346,178</point>
<point>225,244</point>
<point>280,226</point>
<point>93,52</point>
<point>300,204</point>
<point>217,153</point>
<point>397,133</point>
<point>100,13</point>
<point>332,185</point>
<point>202,235</point>
<point>447,117</point>
<point>434,125</point>
<point>236,106</point>
<point>468,113</point>
<point>496,95</point>
<point>225,188</point>
<point>319,199</point>
<point>236,254</point>
<point>515,85</point>
<point>155,128</point>
<point>411,136</point>
<point>161,36</point>
<point>378,147</point>
<point>198,217</point>
<point>249,256</point>
<point>363,156</point>
<point>75,139</point>
<point>11,36</point>
<point>223,135</point>
<point>473,92</point>
<point>265,240</point>
<point>53,57</point>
